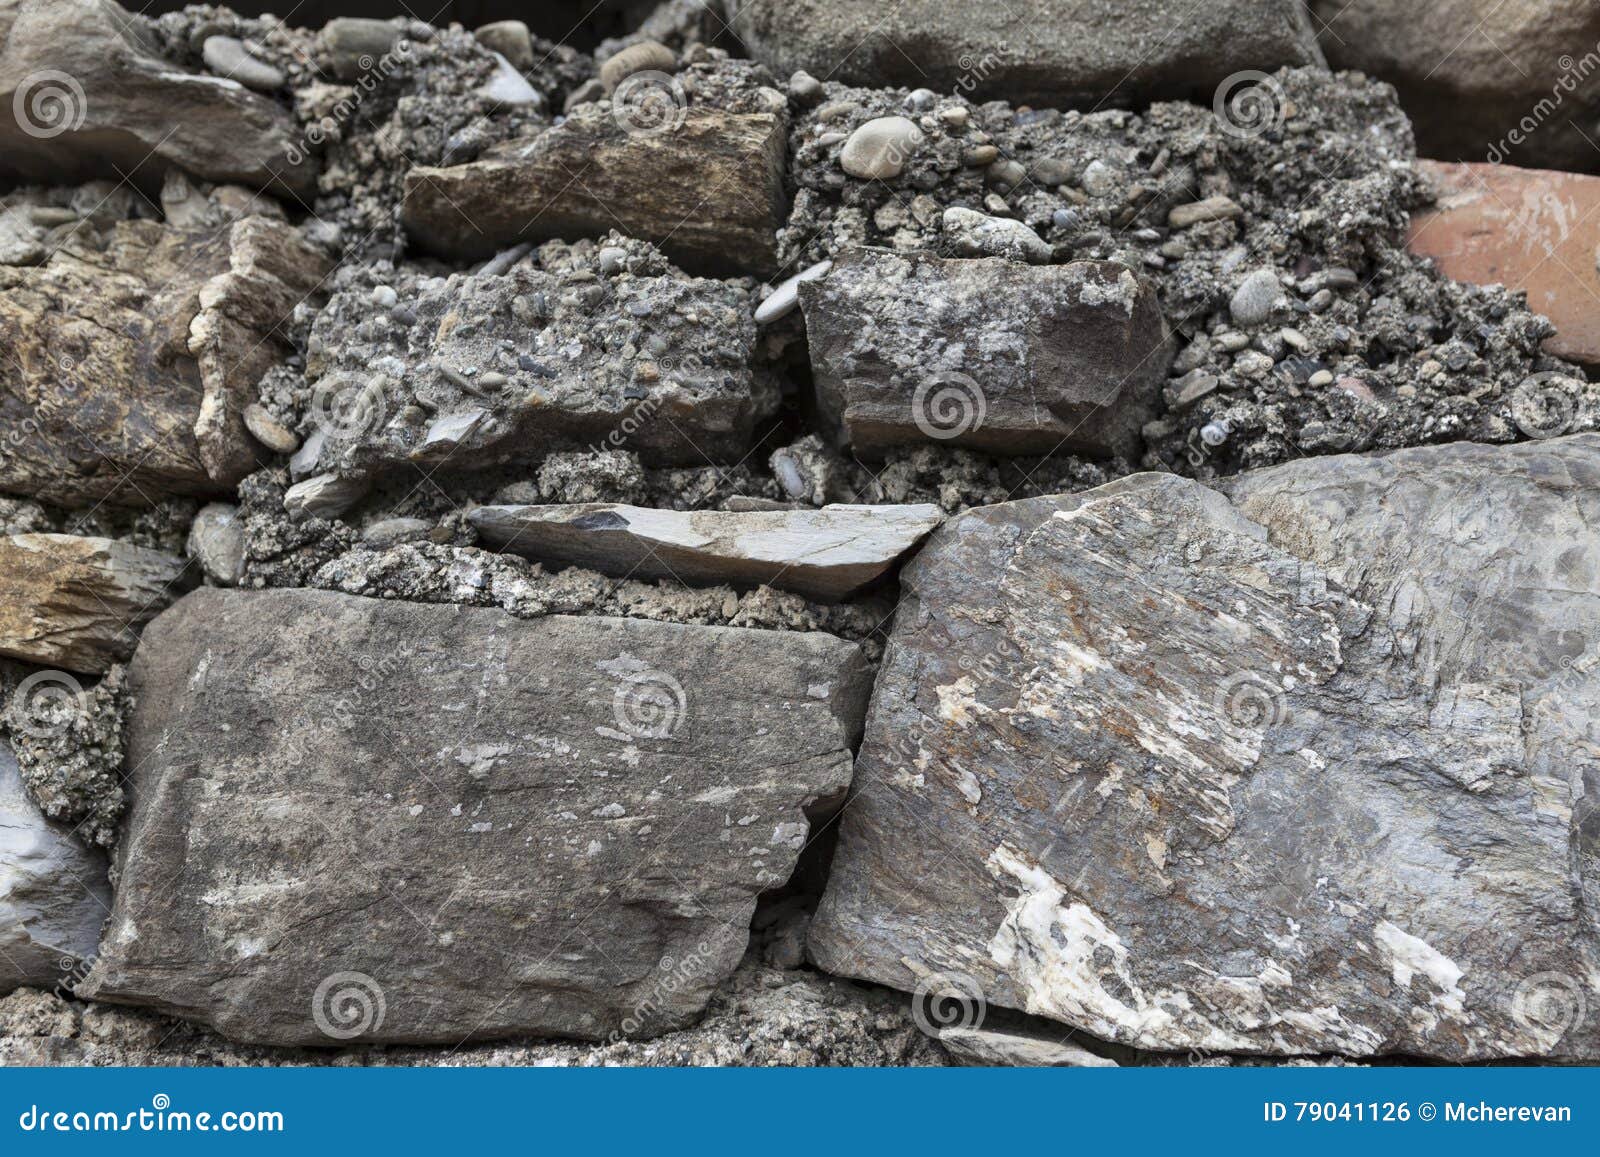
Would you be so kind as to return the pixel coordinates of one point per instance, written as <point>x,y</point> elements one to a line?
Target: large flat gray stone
<point>1300,768</point>
<point>374,820</point>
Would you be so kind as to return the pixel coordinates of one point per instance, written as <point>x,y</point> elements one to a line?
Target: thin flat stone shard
<point>1294,768</point>
<point>828,553</point>
<point>489,826</point>
<point>988,353</point>
<point>78,602</point>
<point>591,174</point>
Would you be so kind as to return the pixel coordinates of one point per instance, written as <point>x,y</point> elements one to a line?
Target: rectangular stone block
<point>356,819</point>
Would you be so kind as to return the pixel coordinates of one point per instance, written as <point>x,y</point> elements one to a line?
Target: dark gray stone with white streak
<point>478,825</point>
<point>988,353</point>
<point>1298,769</point>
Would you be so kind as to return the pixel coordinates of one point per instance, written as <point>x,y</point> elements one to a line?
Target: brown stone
<point>79,603</point>
<point>709,191</point>
<point>85,92</point>
<point>1529,229</point>
<point>128,364</point>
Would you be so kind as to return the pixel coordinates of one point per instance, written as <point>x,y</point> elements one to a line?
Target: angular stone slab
<point>1301,773</point>
<point>1528,229</point>
<point>988,353</point>
<point>481,826</point>
<point>79,603</point>
<point>825,554</point>
<point>54,895</point>
<point>708,192</point>
<point>127,369</point>
<point>1051,52</point>
<point>84,92</point>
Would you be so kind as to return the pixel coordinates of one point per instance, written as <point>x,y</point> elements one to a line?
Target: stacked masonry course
<point>786,537</point>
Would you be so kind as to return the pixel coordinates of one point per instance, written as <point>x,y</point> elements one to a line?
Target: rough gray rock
<point>85,92</point>
<point>1304,773</point>
<point>1003,357</point>
<point>968,233</point>
<point>1052,52</point>
<point>825,554</point>
<point>425,824</point>
<point>704,184</point>
<point>79,602</point>
<point>69,744</point>
<point>476,371</point>
<point>53,891</point>
<point>216,542</point>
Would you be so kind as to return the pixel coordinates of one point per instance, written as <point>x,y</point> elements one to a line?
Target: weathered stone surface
<point>1527,229</point>
<point>477,371</point>
<point>216,542</point>
<point>128,367</point>
<point>758,1017</point>
<point>706,186</point>
<point>988,353</point>
<point>84,92</point>
<point>489,827</point>
<point>350,47</point>
<point>79,603</point>
<point>971,234</point>
<point>235,338</point>
<point>983,1046</point>
<point>1303,773</point>
<point>53,891</point>
<point>826,554</point>
<point>1052,52</point>
<point>1483,80</point>
<point>511,39</point>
